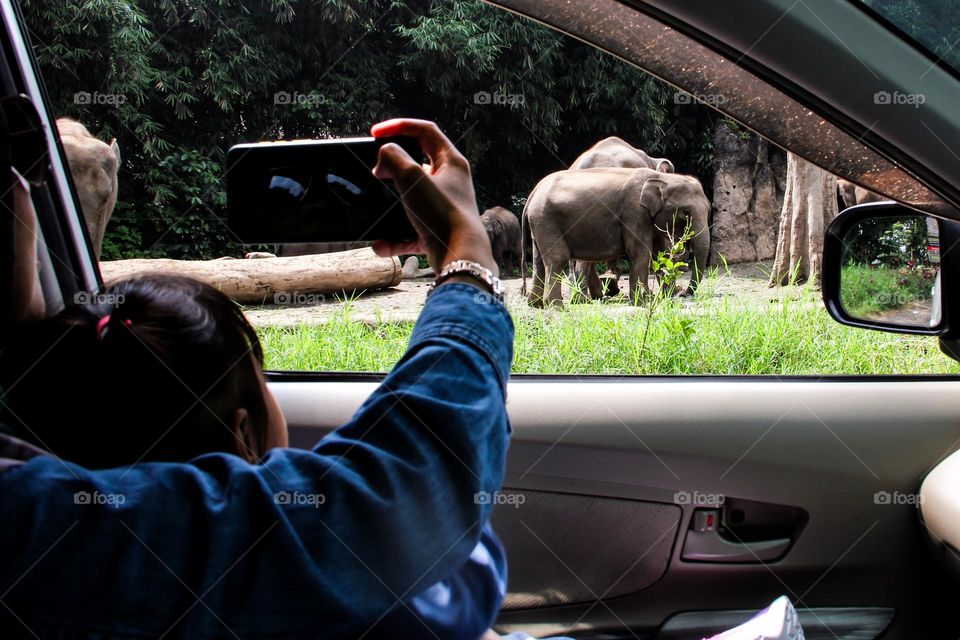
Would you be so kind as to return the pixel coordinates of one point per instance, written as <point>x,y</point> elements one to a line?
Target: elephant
<point>853,194</point>
<point>615,152</point>
<point>600,214</point>
<point>610,152</point>
<point>94,165</point>
<point>503,229</point>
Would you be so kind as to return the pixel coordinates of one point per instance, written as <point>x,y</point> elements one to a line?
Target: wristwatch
<point>475,270</point>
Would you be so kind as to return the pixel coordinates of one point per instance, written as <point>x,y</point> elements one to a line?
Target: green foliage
<point>886,241</point>
<point>868,291</point>
<point>177,82</point>
<point>668,268</point>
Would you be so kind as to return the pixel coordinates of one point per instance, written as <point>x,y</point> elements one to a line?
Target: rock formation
<point>748,187</point>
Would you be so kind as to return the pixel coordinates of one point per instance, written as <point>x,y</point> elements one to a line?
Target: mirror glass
<point>891,271</point>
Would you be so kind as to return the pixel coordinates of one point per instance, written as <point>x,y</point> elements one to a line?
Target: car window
<point>162,91</point>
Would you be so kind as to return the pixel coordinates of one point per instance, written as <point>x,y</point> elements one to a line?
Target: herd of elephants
<point>614,201</point>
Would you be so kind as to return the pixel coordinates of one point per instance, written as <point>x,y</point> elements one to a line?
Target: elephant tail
<point>523,247</point>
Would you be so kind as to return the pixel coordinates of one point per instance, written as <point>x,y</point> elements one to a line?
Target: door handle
<point>710,546</point>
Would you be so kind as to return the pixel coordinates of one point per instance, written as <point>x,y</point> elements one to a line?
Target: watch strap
<point>477,271</point>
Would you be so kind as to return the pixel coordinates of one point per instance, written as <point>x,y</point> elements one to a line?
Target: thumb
<point>394,163</point>
<point>426,205</point>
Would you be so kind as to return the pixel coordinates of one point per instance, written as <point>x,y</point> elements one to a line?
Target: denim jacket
<point>376,532</point>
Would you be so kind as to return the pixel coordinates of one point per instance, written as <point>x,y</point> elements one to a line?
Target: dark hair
<point>154,368</point>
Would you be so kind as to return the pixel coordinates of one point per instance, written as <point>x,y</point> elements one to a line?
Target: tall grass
<point>710,335</point>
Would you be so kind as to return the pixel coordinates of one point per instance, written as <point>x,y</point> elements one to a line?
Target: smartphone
<point>314,191</point>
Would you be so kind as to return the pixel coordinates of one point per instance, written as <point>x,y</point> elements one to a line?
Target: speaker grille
<point>565,549</point>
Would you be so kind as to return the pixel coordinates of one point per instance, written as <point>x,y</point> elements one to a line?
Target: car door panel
<point>612,470</point>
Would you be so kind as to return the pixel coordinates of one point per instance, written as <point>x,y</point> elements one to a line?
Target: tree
<point>809,205</point>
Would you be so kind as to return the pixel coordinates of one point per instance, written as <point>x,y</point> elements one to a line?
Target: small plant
<point>668,268</point>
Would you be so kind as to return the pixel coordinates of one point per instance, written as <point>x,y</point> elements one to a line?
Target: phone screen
<point>314,191</point>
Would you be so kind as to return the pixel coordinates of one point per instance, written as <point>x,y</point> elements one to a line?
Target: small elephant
<point>853,194</point>
<point>610,152</point>
<point>94,165</point>
<point>599,214</point>
<point>615,152</point>
<point>503,229</point>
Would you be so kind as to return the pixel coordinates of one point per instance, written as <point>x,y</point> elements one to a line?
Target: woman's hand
<point>438,196</point>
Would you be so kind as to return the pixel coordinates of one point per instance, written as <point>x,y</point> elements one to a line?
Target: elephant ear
<point>116,150</point>
<point>665,166</point>
<point>651,196</point>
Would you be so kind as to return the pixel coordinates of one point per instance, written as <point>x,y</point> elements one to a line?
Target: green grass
<point>714,335</point>
<point>867,292</point>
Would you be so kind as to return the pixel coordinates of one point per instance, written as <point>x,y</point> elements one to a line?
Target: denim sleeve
<point>319,543</point>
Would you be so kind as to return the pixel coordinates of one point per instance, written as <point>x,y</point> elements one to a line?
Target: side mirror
<point>884,269</point>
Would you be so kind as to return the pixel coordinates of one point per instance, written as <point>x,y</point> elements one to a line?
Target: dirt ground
<point>748,282</point>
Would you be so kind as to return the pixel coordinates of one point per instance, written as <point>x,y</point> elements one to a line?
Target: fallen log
<point>268,279</point>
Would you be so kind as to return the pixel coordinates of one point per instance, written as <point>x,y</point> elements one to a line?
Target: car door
<point>676,507</point>
<point>673,507</point>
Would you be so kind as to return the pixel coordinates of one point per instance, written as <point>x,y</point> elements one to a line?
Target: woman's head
<point>155,368</point>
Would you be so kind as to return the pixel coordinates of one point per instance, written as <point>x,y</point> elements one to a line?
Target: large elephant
<point>601,214</point>
<point>616,152</point>
<point>610,152</point>
<point>94,165</point>
<point>503,229</point>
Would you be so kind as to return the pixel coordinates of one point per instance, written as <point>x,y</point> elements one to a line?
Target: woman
<point>205,549</point>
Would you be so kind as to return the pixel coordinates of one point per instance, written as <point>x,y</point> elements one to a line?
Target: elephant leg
<point>579,274</point>
<point>498,255</point>
<point>699,253</point>
<point>553,293</point>
<point>639,272</point>
<point>593,281</point>
<point>615,267</point>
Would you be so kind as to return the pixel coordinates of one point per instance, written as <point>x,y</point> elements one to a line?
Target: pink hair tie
<point>102,325</point>
<point>104,321</point>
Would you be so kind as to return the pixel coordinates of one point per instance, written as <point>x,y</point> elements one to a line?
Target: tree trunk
<point>270,280</point>
<point>809,205</point>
